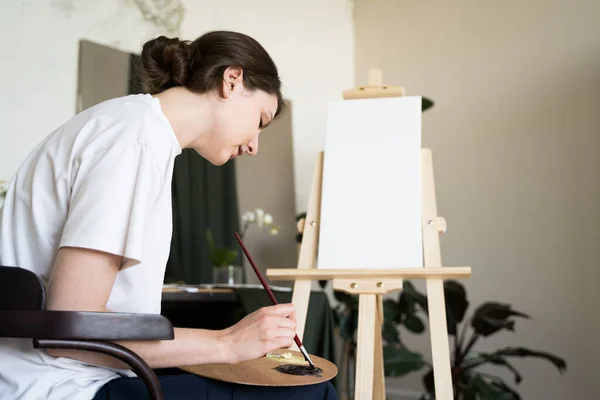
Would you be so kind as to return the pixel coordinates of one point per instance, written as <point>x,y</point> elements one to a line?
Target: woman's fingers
<point>279,309</point>
<point>275,333</point>
<point>281,322</point>
<point>266,329</point>
<point>281,315</point>
<point>280,343</point>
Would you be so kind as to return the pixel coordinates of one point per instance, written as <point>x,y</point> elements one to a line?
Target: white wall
<point>515,135</point>
<point>311,41</point>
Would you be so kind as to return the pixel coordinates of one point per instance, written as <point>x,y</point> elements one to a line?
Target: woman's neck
<point>188,113</point>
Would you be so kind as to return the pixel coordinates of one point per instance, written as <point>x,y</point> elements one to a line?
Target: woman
<point>89,211</point>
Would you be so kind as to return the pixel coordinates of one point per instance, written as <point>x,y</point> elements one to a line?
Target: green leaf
<point>494,358</point>
<point>428,382</point>
<point>229,257</point>
<point>503,387</point>
<point>414,324</point>
<point>558,362</point>
<point>456,297</point>
<point>211,242</point>
<point>497,385</point>
<point>219,257</point>
<point>348,300</point>
<point>464,392</point>
<point>406,308</point>
<point>390,310</point>
<point>389,332</point>
<point>223,257</point>
<point>426,103</point>
<point>491,317</point>
<point>475,387</point>
<point>399,361</point>
<point>456,305</point>
<point>415,296</point>
<point>486,391</point>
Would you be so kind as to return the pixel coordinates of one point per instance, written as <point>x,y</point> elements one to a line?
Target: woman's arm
<point>82,280</point>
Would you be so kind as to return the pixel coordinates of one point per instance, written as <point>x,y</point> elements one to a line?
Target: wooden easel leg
<point>440,351</point>
<point>308,249</point>
<point>432,257</point>
<point>378,371</point>
<point>365,351</point>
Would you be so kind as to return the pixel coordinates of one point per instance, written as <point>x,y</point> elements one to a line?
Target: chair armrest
<point>84,325</point>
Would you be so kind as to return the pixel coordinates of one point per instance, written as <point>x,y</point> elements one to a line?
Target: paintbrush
<point>270,293</point>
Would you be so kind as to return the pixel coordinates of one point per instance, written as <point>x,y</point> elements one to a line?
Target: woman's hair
<point>199,65</point>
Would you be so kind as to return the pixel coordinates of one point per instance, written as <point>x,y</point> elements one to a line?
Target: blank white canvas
<point>371,190</point>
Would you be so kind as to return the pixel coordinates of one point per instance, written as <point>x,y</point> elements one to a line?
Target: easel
<point>372,284</point>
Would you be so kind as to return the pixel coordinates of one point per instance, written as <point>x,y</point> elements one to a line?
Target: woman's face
<point>240,116</point>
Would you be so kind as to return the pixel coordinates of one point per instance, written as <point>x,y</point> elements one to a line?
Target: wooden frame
<point>372,284</point>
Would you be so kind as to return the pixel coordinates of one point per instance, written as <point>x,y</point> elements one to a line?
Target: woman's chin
<point>220,162</point>
<point>216,160</point>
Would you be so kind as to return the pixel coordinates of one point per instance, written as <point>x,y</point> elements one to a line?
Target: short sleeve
<point>113,193</point>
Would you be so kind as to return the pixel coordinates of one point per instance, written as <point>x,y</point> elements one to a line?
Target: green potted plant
<point>226,269</point>
<point>469,381</point>
<point>223,259</point>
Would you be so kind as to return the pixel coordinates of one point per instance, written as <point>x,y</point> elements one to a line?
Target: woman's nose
<point>253,147</point>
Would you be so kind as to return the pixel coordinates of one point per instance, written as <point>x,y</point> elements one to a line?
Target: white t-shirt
<point>101,181</point>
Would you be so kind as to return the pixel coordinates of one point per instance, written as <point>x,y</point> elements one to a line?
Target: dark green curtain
<point>204,196</point>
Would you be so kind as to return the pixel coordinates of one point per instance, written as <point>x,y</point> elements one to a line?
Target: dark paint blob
<point>303,370</point>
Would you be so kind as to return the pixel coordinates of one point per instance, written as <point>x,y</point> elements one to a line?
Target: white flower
<point>260,214</point>
<point>268,219</point>
<point>248,217</point>
<point>261,218</point>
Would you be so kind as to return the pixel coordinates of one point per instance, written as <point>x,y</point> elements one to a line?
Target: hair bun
<point>165,63</point>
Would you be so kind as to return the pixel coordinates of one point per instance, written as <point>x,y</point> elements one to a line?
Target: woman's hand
<point>265,330</point>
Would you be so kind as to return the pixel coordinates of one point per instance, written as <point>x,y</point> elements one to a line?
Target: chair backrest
<point>21,289</point>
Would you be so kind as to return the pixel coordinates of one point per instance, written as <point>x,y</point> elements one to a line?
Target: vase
<point>229,275</point>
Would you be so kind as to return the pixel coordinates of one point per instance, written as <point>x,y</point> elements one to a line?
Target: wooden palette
<point>262,372</point>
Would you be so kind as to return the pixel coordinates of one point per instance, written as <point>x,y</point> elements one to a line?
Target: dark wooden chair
<point>23,314</point>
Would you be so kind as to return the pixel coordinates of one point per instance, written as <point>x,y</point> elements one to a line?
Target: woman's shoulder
<point>134,109</point>
<point>136,118</point>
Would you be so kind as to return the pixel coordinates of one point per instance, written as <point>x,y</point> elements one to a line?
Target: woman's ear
<point>233,81</point>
